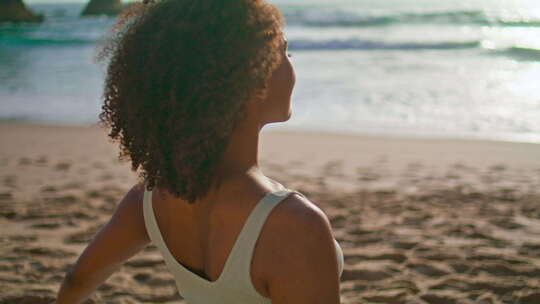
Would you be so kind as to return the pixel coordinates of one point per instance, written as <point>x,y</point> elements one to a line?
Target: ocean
<point>459,69</point>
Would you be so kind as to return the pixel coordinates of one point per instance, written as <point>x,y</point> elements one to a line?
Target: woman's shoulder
<point>294,212</point>
<point>294,209</point>
<point>297,212</point>
<point>299,248</point>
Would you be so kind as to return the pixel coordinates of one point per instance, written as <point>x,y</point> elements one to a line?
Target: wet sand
<point>420,220</point>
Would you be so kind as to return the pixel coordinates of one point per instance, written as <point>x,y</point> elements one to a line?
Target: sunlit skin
<point>294,260</point>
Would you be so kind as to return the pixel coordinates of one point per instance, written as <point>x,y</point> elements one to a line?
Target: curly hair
<point>179,75</point>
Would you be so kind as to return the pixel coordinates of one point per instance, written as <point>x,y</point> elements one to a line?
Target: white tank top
<point>234,284</point>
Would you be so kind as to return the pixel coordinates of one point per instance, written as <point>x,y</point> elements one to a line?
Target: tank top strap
<point>242,252</point>
<point>153,231</point>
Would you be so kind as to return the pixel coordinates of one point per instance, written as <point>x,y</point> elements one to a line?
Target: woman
<point>190,84</point>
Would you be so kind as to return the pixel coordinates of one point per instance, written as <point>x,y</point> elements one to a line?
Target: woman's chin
<point>286,117</point>
<point>289,115</point>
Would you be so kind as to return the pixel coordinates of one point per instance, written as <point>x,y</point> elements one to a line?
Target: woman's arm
<point>121,238</point>
<point>304,262</point>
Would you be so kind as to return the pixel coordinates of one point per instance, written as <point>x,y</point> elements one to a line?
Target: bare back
<point>200,236</point>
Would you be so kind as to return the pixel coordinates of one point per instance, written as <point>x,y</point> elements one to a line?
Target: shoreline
<point>283,128</point>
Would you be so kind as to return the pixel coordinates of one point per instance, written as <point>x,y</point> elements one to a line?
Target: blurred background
<point>404,67</point>
<point>425,155</point>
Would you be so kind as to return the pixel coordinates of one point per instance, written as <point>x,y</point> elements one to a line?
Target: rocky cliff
<point>16,11</point>
<point>102,7</point>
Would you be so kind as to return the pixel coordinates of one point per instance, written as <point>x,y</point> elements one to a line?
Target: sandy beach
<point>437,221</point>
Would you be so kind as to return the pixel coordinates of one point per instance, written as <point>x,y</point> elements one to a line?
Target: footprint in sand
<point>504,270</point>
<point>338,222</point>
<point>439,256</point>
<point>165,295</point>
<point>19,239</point>
<point>23,161</point>
<point>154,281</point>
<point>427,270</point>
<point>530,249</point>
<point>404,244</point>
<point>397,258</point>
<point>46,225</point>
<point>386,296</point>
<point>10,180</point>
<point>144,262</point>
<point>142,277</point>
<point>72,185</point>
<point>367,274</point>
<point>505,223</point>
<point>435,298</point>
<point>27,299</point>
<point>41,160</point>
<point>368,176</point>
<point>497,167</point>
<point>47,189</point>
<point>451,284</point>
<point>531,297</point>
<point>43,251</point>
<point>333,168</point>
<point>83,236</point>
<point>5,196</point>
<point>62,166</point>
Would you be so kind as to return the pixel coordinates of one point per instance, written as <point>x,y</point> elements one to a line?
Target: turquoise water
<point>450,69</point>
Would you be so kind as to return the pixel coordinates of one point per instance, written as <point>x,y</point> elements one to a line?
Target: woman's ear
<point>260,94</point>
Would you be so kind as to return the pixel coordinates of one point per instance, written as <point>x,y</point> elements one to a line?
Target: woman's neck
<point>242,152</point>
